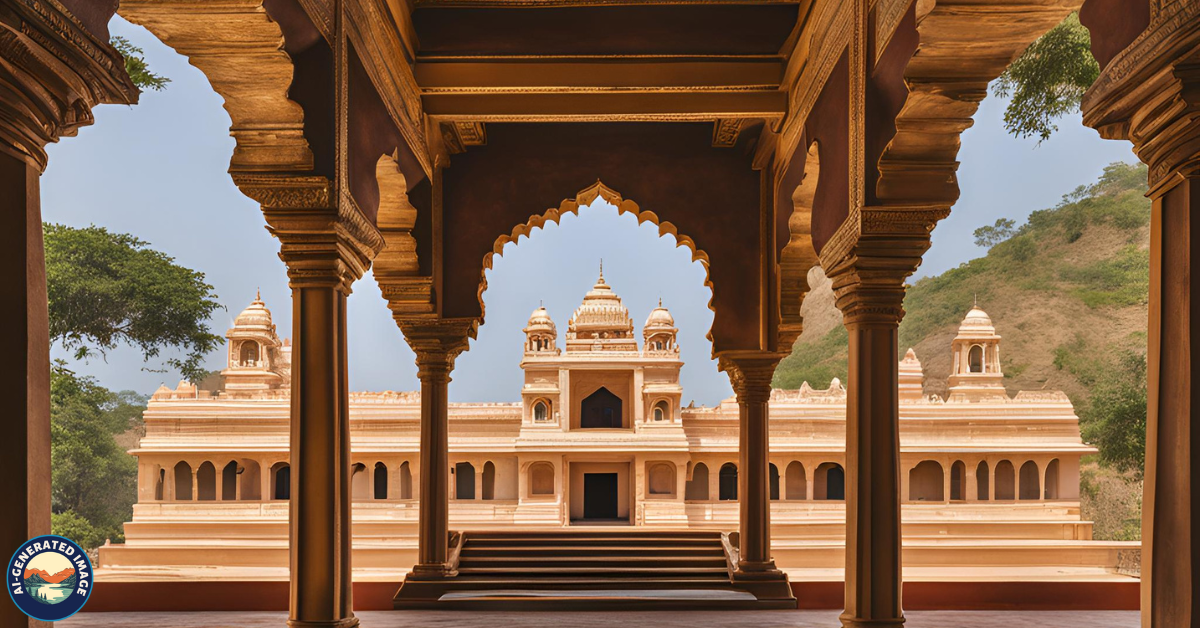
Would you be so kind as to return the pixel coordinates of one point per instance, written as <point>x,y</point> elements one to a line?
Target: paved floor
<point>694,619</point>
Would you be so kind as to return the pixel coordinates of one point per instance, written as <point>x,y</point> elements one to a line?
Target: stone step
<point>712,550</point>
<point>591,571</point>
<point>554,563</point>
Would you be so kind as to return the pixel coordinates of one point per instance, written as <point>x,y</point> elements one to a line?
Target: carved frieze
<point>726,131</point>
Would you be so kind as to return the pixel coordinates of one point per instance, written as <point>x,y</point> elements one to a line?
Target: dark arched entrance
<point>601,409</point>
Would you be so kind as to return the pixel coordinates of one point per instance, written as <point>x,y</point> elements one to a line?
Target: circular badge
<point>50,577</point>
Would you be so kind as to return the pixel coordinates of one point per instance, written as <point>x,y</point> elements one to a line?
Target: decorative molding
<point>53,72</point>
<point>726,132</point>
<point>888,14</point>
<point>437,342</point>
<point>799,255</point>
<point>459,134</point>
<point>240,50</point>
<point>831,28</point>
<point>397,268</point>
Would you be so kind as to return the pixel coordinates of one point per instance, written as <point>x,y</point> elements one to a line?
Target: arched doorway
<point>727,486</point>
<point>696,488</point>
<point>601,409</point>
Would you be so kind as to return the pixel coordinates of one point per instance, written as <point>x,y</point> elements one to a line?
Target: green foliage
<point>93,479</point>
<point>107,289</point>
<point>1114,418</point>
<point>1048,80</point>
<point>1121,280</point>
<point>989,236</point>
<point>136,66</point>
<point>816,363</point>
<point>1113,502</point>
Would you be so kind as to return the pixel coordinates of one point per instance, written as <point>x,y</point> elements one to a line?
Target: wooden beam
<point>610,105</point>
<point>567,73</point>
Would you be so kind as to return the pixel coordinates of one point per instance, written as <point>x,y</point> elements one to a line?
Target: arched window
<point>405,481</point>
<point>696,488</point>
<point>728,482</point>
<point>281,482</point>
<point>661,411</point>
<point>183,481</point>
<point>983,483</point>
<point>1006,480</point>
<point>206,482</point>
<point>829,482</point>
<point>229,478</point>
<point>925,482</point>
<point>661,480</point>
<point>1030,481</point>
<point>160,484</point>
<point>249,355</point>
<point>250,479</point>
<point>1052,479</point>
<point>489,480</point>
<point>601,409</point>
<point>541,413</point>
<point>360,485</point>
<point>797,481</point>
<point>975,359</point>
<point>958,481</point>
<point>541,478</point>
<point>773,477</point>
<point>381,481</point>
<point>464,481</point>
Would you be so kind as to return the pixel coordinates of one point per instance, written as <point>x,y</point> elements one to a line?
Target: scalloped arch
<point>583,198</point>
<point>799,255</point>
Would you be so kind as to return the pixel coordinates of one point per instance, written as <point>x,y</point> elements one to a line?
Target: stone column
<point>972,492</point>
<point>750,373</point>
<point>55,69</point>
<point>437,342</point>
<point>868,261</point>
<point>327,244</point>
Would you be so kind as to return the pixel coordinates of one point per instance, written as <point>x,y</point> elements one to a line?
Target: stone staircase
<point>602,568</point>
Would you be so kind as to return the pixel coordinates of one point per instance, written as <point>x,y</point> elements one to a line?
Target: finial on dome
<point>659,301</point>
<point>258,294</point>
<point>601,269</point>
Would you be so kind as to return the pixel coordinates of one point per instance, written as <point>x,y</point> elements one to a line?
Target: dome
<point>977,321</point>
<point>660,317</point>
<point>540,321</point>
<point>256,315</point>
<point>601,311</point>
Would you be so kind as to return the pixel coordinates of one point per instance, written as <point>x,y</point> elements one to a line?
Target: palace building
<point>599,437</point>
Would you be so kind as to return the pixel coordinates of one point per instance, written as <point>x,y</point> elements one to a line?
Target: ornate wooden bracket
<point>437,343</point>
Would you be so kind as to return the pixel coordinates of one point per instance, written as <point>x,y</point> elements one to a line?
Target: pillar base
<point>768,584</point>
<point>852,622</point>
<point>348,622</point>
<point>434,571</point>
<point>753,570</point>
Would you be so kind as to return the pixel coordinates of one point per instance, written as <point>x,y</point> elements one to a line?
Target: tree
<point>989,236</point>
<point>1114,419</point>
<point>1048,80</point>
<point>136,66</point>
<point>107,289</point>
<point>93,480</point>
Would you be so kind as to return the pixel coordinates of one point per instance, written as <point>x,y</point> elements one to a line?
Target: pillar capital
<point>750,373</point>
<point>325,239</point>
<point>871,256</point>
<point>437,343</point>
<point>55,70</point>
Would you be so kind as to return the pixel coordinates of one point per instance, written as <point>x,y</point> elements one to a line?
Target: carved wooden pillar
<point>437,343</point>
<point>53,70</point>
<point>868,260</point>
<point>1149,93</point>
<point>750,373</point>
<point>327,244</point>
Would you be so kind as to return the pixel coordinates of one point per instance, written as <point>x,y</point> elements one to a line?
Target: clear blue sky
<point>158,171</point>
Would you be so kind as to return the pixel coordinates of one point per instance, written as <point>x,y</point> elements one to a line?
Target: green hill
<point>1067,291</point>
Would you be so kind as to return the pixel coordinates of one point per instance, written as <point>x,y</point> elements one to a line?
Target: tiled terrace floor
<point>694,619</point>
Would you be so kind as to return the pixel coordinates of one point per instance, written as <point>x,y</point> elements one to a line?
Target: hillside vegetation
<point>1068,292</point>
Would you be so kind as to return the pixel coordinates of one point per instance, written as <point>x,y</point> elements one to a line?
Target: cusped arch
<point>240,49</point>
<point>799,255</point>
<point>584,198</point>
